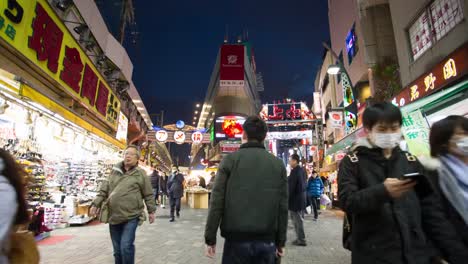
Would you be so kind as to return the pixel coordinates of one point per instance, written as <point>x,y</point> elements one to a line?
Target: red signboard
<point>229,147</point>
<point>450,69</point>
<point>232,65</point>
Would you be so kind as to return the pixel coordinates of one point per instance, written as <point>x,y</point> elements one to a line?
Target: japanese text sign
<point>416,132</point>
<point>447,71</point>
<point>34,30</point>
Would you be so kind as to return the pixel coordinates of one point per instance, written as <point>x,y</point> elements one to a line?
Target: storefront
<point>58,116</point>
<point>441,92</point>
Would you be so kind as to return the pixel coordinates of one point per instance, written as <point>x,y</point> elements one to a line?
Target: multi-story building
<point>432,46</point>
<point>232,95</point>
<point>363,45</point>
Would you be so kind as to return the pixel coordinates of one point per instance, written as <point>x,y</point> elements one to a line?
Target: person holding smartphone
<point>394,218</point>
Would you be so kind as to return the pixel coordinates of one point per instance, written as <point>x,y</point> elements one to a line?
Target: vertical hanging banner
<point>231,72</point>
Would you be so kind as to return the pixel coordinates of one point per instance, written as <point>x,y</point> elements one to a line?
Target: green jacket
<point>127,201</point>
<point>249,198</point>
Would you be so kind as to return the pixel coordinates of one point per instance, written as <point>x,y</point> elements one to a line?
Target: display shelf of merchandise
<point>80,220</point>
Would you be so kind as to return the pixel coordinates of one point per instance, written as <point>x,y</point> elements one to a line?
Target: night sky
<point>175,49</point>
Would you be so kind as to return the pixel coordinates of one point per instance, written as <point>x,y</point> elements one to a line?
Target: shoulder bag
<point>104,213</point>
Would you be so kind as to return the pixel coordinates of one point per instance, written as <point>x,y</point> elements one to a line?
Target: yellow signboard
<point>34,29</point>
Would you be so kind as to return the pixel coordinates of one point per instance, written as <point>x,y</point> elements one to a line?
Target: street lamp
<point>333,69</point>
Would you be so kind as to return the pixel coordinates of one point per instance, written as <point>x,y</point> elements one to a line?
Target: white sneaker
<point>163,206</point>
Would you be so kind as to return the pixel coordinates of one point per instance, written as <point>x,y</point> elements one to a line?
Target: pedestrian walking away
<point>315,189</point>
<point>393,219</point>
<point>175,189</point>
<point>249,202</point>
<point>120,203</point>
<point>297,199</point>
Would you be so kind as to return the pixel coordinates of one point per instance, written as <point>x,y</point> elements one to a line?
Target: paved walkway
<point>182,242</point>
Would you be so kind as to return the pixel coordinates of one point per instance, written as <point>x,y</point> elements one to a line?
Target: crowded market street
<point>182,242</point>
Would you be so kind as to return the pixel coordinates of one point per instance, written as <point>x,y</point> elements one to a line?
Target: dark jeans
<point>315,205</point>
<point>252,252</point>
<point>296,218</point>
<point>175,205</point>
<point>123,239</point>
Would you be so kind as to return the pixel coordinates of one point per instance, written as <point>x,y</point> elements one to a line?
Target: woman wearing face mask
<point>392,217</point>
<point>449,169</point>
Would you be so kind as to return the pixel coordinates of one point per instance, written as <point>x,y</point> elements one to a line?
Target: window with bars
<point>437,19</point>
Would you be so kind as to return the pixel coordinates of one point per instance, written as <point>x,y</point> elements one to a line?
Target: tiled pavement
<point>182,242</point>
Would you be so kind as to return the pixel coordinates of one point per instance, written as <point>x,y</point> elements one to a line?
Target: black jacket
<point>297,189</point>
<point>155,180</point>
<point>432,166</point>
<point>175,185</point>
<point>249,198</point>
<point>386,230</point>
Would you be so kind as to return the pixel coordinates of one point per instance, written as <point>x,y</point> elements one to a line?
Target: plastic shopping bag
<point>325,200</point>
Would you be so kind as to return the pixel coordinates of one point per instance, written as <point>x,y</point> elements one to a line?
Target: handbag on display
<point>23,248</point>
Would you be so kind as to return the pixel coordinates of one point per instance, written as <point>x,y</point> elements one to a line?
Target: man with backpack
<point>394,215</point>
<point>250,202</point>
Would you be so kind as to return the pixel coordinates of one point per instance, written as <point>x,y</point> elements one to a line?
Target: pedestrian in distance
<point>315,189</point>
<point>297,199</point>
<point>155,184</point>
<point>201,182</point>
<point>163,186</point>
<point>395,218</point>
<point>448,170</point>
<point>175,190</point>
<point>120,203</point>
<point>212,181</point>
<point>14,213</point>
<point>250,202</point>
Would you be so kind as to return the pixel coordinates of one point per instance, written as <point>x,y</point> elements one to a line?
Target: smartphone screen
<point>411,175</point>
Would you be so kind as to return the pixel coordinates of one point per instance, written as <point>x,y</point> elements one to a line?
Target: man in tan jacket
<point>123,193</point>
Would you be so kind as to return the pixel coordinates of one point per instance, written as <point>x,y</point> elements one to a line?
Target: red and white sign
<point>229,147</point>
<point>197,138</point>
<point>339,156</point>
<point>232,66</point>
<point>179,137</point>
<point>313,149</point>
<point>161,135</point>
<point>336,119</point>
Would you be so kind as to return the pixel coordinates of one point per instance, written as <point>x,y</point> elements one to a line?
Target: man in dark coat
<point>393,219</point>
<point>155,184</point>
<point>249,202</point>
<point>297,198</point>
<point>175,188</point>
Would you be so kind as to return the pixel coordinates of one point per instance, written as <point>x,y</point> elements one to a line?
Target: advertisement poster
<point>229,127</point>
<point>232,66</point>
<point>122,129</point>
<point>416,132</point>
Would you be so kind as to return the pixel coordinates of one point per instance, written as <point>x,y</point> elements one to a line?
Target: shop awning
<point>345,142</point>
<point>437,99</point>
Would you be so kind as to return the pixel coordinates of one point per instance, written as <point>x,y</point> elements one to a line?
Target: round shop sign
<point>313,149</point>
<point>179,137</point>
<point>197,137</point>
<point>161,135</point>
